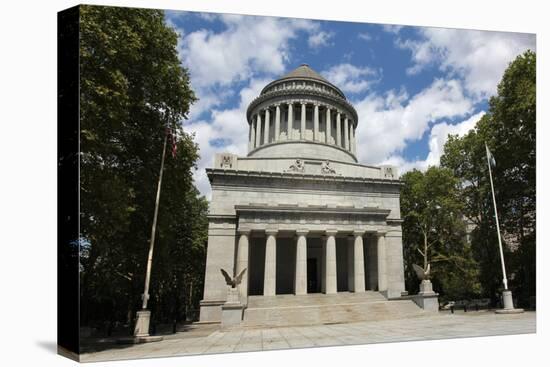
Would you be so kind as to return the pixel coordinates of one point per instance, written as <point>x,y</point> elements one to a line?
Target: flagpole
<point>144,316</point>
<point>504,280</point>
<point>153,230</point>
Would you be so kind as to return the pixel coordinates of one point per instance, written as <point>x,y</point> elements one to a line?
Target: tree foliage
<point>509,129</point>
<point>132,88</point>
<point>434,232</point>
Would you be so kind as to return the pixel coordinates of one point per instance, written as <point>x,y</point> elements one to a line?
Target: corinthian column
<point>316,122</point>
<point>303,122</point>
<point>301,263</point>
<point>381,258</point>
<point>277,122</point>
<point>328,126</point>
<point>346,133</point>
<point>252,135</point>
<point>352,131</point>
<point>330,261</point>
<point>258,128</point>
<point>338,130</point>
<point>242,263</point>
<point>358,263</point>
<point>270,270</point>
<point>289,122</point>
<point>266,126</point>
<point>350,253</point>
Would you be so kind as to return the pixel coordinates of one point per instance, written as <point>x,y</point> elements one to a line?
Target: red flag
<point>173,141</point>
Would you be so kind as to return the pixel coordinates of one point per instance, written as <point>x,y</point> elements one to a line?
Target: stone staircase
<point>317,309</point>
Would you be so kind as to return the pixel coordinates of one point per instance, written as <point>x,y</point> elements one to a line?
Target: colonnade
<point>267,125</point>
<point>356,266</point>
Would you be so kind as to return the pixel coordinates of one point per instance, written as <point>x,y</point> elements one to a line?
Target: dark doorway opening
<point>256,265</point>
<point>286,265</point>
<point>313,285</point>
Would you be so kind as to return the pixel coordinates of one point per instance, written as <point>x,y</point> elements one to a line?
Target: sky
<point>411,86</point>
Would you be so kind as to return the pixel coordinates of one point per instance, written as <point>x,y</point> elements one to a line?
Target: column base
<point>427,302</point>
<point>140,339</point>
<point>141,331</point>
<point>508,302</point>
<point>142,323</point>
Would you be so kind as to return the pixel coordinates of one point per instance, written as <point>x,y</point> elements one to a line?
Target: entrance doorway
<point>313,285</point>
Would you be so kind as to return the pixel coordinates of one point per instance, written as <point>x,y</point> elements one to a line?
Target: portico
<point>323,262</point>
<point>314,258</point>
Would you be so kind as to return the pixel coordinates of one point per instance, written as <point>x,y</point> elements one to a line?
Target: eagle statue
<point>422,274</point>
<point>235,281</point>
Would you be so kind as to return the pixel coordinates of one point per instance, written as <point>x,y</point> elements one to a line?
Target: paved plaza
<point>208,339</point>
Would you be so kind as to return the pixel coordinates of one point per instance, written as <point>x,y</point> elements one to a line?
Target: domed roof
<point>302,72</point>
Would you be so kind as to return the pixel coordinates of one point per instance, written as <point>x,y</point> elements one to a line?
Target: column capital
<point>271,231</point>
<point>245,231</point>
<point>302,232</point>
<point>358,232</point>
<point>380,233</point>
<point>331,232</point>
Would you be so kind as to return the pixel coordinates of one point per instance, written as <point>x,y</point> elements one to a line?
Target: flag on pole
<point>173,142</point>
<point>490,156</point>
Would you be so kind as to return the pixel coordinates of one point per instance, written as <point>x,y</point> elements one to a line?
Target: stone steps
<point>316,309</point>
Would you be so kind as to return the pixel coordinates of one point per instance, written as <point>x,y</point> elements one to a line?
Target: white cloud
<point>392,28</point>
<point>440,133</point>
<point>247,46</point>
<point>320,39</point>
<point>480,57</point>
<point>229,125</point>
<point>364,36</point>
<point>350,78</point>
<point>387,123</point>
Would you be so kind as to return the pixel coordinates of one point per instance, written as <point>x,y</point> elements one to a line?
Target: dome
<point>302,115</point>
<point>303,72</point>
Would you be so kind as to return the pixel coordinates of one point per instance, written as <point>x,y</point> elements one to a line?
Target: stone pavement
<point>207,339</point>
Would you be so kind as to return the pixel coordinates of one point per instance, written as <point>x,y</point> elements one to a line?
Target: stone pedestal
<point>232,310</point>
<point>426,288</point>
<point>141,331</point>
<point>508,303</point>
<point>142,323</point>
<point>426,298</point>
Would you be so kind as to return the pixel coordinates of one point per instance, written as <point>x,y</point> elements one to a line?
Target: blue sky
<point>411,86</point>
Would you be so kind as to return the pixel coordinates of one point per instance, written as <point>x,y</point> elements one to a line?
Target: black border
<point>68,181</point>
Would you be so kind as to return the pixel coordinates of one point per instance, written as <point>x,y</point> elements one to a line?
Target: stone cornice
<point>297,92</point>
<point>251,153</point>
<point>293,176</point>
<point>316,209</point>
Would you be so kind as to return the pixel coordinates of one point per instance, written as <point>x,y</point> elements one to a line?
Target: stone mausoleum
<point>307,221</point>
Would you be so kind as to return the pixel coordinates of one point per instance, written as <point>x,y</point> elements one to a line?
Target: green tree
<point>132,88</point>
<point>434,232</point>
<point>509,129</point>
